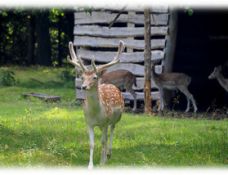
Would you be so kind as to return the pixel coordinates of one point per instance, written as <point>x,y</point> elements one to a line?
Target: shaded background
<point>202,44</point>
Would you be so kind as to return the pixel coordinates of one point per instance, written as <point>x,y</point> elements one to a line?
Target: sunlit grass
<point>36,133</point>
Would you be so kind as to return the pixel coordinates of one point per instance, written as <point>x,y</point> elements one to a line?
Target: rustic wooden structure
<point>94,39</point>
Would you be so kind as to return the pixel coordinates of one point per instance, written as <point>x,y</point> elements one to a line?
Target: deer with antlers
<point>103,104</point>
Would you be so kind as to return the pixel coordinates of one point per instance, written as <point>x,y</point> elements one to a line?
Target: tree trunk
<point>43,39</point>
<point>69,28</point>
<point>31,39</point>
<point>60,50</point>
<point>147,61</point>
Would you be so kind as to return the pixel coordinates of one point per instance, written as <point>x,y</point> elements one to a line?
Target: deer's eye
<point>94,77</point>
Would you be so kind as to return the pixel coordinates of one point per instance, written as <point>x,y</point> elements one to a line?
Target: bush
<point>7,78</point>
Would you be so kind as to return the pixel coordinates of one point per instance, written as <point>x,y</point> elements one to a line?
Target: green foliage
<point>19,25</point>
<point>36,133</point>
<point>67,75</point>
<point>189,11</point>
<point>7,78</point>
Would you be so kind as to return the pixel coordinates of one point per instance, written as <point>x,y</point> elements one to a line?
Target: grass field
<point>36,133</point>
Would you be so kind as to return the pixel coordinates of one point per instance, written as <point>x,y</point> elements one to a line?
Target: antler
<point>114,61</point>
<point>76,61</point>
<point>93,64</point>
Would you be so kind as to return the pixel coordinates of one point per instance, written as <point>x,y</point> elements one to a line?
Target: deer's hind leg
<point>134,96</point>
<point>162,105</point>
<point>189,98</point>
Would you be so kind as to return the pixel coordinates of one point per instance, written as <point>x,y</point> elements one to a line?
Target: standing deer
<point>216,74</point>
<point>173,81</point>
<point>122,79</point>
<point>103,105</point>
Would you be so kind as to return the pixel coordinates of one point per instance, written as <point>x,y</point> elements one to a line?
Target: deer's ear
<point>102,72</point>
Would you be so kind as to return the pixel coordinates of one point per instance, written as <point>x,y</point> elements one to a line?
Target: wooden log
<point>140,96</point>
<point>117,31</point>
<point>111,43</point>
<point>139,81</point>
<point>104,56</point>
<point>136,69</point>
<point>157,9</point>
<point>45,97</point>
<point>121,11</point>
<point>80,94</point>
<point>130,25</point>
<point>101,17</point>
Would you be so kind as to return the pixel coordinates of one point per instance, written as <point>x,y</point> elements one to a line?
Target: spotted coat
<point>110,97</point>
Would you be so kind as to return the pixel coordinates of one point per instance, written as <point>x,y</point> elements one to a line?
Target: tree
<point>43,38</point>
<point>35,36</point>
<point>31,38</point>
<point>147,61</point>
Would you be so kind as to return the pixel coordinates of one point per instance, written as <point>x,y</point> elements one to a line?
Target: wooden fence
<point>94,38</point>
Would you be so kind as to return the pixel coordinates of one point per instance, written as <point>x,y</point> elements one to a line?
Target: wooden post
<point>170,49</point>
<point>170,41</point>
<point>147,61</point>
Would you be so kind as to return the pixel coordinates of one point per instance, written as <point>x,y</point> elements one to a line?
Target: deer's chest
<point>94,115</point>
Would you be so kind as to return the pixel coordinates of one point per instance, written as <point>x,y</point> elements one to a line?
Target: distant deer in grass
<point>103,105</point>
<point>173,81</point>
<point>122,79</point>
<point>216,74</point>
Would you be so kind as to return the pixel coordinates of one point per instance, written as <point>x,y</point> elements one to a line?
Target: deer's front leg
<point>91,139</point>
<point>109,153</point>
<point>104,145</point>
<point>162,105</point>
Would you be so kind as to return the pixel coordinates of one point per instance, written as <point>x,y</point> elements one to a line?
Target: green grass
<point>36,133</point>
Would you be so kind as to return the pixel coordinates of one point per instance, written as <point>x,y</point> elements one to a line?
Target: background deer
<point>216,74</point>
<point>122,79</point>
<point>103,103</point>
<point>173,81</point>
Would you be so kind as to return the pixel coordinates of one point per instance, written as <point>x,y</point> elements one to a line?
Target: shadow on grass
<point>28,146</point>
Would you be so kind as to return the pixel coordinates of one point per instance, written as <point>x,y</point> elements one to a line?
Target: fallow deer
<point>216,74</point>
<point>103,104</point>
<point>173,81</point>
<point>122,79</point>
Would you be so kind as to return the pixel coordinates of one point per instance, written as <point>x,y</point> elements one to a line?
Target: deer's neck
<point>222,81</point>
<point>92,101</point>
